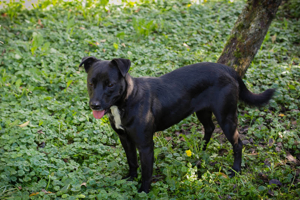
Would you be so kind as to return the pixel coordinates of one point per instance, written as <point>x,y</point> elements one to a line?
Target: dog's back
<point>202,75</point>
<point>187,90</point>
<point>196,87</point>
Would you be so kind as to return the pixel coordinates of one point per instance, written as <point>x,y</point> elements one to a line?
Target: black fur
<point>254,99</point>
<point>148,105</point>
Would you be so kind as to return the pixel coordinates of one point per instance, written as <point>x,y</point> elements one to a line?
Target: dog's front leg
<point>147,159</point>
<point>130,150</point>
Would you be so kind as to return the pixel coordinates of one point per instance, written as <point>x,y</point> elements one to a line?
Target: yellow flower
<point>188,153</point>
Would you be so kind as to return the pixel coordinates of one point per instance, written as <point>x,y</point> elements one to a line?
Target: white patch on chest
<point>117,118</point>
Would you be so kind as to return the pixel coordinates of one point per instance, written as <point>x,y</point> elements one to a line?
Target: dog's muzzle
<point>98,111</point>
<point>95,105</point>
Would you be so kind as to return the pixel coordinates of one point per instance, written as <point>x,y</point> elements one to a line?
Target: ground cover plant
<point>51,147</point>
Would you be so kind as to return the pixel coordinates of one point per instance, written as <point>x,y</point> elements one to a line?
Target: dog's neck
<point>129,90</point>
<point>115,110</point>
<point>129,83</point>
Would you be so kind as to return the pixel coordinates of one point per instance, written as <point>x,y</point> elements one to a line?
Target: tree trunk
<point>248,34</point>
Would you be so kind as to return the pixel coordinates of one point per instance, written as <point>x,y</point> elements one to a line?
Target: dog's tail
<point>251,98</point>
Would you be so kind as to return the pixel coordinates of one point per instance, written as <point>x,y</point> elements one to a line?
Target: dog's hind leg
<point>204,117</point>
<point>228,123</point>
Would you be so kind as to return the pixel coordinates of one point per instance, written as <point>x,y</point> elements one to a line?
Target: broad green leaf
<point>116,46</point>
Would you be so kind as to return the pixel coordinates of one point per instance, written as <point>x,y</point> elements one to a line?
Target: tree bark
<point>248,34</point>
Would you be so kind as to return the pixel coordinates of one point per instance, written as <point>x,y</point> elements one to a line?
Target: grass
<point>51,147</point>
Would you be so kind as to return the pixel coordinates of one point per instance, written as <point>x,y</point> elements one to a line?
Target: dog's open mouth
<point>98,114</point>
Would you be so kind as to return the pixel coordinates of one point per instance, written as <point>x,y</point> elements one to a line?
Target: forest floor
<point>51,147</point>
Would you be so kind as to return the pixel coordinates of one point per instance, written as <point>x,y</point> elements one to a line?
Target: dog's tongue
<point>98,114</point>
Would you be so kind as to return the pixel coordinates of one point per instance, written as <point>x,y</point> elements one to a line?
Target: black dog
<point>138,107</point>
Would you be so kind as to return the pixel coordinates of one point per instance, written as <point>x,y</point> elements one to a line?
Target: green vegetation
<point>52,147</point>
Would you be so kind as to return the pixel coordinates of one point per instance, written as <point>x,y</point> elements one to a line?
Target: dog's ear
<point>87,62</point>
<point>122,64</point>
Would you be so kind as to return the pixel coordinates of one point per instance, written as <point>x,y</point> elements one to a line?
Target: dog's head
<point>105,81</point>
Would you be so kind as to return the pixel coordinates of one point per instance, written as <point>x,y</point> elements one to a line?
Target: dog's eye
<point>110,84</point>
<point>91,84</point>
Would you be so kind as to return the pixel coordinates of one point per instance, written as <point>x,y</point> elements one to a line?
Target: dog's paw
<point>233,172</point>
<point>145,187</point>
<point>130,177</point>
<point>142,189</point>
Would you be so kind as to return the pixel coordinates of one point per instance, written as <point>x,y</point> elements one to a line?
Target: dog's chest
<point>116,116</point>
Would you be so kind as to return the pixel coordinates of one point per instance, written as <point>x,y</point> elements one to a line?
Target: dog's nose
<point>95,105</point>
